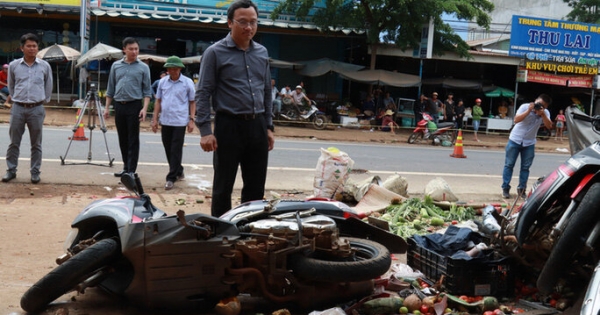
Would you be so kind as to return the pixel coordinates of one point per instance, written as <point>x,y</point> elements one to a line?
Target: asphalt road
<point>291,164</point>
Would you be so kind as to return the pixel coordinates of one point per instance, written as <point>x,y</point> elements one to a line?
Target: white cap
<point>298,86</point>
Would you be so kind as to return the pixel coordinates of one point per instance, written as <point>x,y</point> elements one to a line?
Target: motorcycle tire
<point>370,261</point>
<point>415,137</point>
<point>68,275</point>
<point>320,121</point>
<point>571,241</point>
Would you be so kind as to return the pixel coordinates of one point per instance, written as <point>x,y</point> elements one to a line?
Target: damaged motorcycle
<point>556,231</point>
<point>132,249</point>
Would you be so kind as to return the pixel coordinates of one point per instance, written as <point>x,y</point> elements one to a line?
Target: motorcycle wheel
<point>291,113</point>
<point>369,261</point>
<point>320,122</point>
<point>571,241</point>
<point>67,276</point>
<point>415,137</point>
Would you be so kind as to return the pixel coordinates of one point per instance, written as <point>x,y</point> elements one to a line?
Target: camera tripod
<point>95,110</point>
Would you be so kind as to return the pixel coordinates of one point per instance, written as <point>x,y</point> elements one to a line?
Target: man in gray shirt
<point>30,86</point>
<point>235,73</point>
<point>129,85</point>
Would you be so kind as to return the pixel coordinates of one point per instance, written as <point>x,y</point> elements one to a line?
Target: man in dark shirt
<point>420,107</point>
<point>235,74</point>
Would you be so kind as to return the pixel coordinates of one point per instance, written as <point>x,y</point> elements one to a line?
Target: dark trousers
<point>127,121</point>
<point>242,143</point>
<point>172,139</point>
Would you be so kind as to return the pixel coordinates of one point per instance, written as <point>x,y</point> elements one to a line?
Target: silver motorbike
<point>292,113</point>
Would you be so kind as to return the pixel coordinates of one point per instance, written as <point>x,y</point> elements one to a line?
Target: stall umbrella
<point>58,53</point>
<point>499,92</point>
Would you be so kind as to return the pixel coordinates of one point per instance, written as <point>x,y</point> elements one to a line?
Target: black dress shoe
<point>35,178</point>
<point>121,173</point>
<point>8,176</point>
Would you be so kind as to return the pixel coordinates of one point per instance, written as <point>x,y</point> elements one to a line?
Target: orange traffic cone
<point>79,133</point>
<point>458,146</point>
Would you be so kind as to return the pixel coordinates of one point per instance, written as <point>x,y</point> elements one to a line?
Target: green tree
<point>585,11</point>
<point>392,21</point>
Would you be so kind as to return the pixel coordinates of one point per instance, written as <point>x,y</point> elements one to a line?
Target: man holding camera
<point>522,139</point>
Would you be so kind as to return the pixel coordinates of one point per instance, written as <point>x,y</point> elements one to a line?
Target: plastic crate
<point>463,277</point>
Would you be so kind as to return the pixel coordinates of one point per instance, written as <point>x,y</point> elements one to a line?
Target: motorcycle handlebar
<point>584,117</point>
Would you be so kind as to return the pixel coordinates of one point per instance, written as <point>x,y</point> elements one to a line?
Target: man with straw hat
<point>175,104</point>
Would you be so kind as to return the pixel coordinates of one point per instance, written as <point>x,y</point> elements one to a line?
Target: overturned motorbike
<point>427,129</point>
<point>292,114</point>
<point>191,261</point>
<point>556,231</point>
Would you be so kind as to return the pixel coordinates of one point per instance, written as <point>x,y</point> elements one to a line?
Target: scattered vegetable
<point>413,303</point>
<point>416,216</point>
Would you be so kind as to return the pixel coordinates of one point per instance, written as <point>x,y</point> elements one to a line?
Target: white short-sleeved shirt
<point>525,131</point>
<point>175,98</point>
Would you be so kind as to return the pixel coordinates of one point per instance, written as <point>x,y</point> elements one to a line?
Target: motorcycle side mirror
<point>128,180</point>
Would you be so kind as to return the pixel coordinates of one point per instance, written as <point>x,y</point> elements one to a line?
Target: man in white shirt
<point>175,110</point>
<point>276,98</point>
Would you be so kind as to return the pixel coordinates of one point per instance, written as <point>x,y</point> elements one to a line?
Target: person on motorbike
<point>298,96</point>
<point>521,141</point>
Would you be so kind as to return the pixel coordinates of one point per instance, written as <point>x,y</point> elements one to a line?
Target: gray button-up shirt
<point>129,81</point>
<point>238,81</point>
<point>30,84</point>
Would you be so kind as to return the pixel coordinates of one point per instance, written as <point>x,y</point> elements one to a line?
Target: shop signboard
<point>547,41</point>
<point>74,3</point>
<point>580,81</point>
<point>263,5</point>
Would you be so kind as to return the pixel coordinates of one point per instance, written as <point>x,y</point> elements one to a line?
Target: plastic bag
<point>439,190</point>
<point>333,168</point>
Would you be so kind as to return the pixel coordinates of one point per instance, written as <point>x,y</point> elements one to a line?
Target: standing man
<point>30,86</point>
<point>176,105</point>
<point>420,108</point>
<point>434,107</point>
<point>476,114</point>
<point>521,141</point>
<point>130,88</point>
<point>235,73</point>
<point>449,108</point>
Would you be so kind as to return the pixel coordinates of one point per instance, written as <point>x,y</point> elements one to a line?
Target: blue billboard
<point>547,40</point>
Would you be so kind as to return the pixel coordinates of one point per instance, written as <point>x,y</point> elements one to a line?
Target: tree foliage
<point>393,21</point>
<point>585,11</point>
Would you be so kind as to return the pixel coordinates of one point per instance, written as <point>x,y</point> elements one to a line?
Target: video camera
<point>538,106</point>
<point>93,87</point>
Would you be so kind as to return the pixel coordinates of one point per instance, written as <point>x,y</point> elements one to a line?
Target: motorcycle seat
<point>445,124</point>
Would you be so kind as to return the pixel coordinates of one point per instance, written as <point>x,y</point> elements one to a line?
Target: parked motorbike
<point>130,248</point>
<point>557,229</point>
<point>290,113</point>
<point>426,129</point>
<point>544,133</point>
